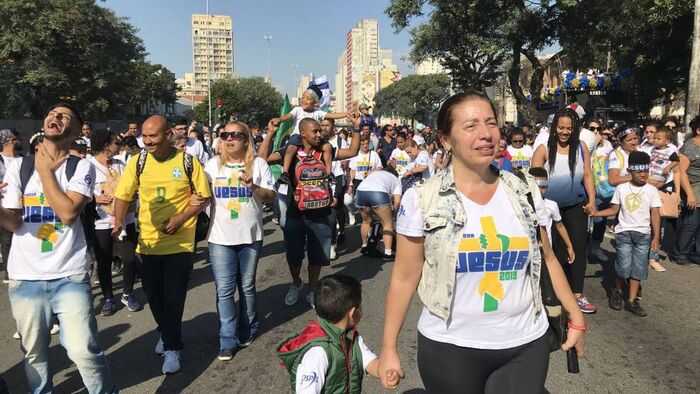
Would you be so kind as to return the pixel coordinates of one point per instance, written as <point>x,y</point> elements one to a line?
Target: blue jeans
<point>33,302</point>
<point>632,249</point>
<point>235,266</point>
<point>310,231</point>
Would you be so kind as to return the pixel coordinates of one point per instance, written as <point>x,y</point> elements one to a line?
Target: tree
<point>251,100</point>
<point>415,97</point>
<point>652,38</point>
<point>150,83</point>
<point>474,38</point>
<point>53,50</point>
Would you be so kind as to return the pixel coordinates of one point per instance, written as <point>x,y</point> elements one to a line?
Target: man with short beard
<point>86,133</point>
<point>48,262</point>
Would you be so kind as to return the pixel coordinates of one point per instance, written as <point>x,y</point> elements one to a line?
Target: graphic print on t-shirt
<point>633,201</point>
<point>37,210</point>
<point>230,188</point>
<point>498,256</point>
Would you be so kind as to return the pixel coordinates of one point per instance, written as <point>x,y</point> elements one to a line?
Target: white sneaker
<point>160,349</point>
<point>310,299</point>
<point>16,335</point>
<point>599,255</point>
<point>351,219</point>
<point>55,329</point>
<point>171,362</point>
<point>292,294</point>
<point>334,255</point>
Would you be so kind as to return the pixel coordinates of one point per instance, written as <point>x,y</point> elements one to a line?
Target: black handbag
<point>202,228</point>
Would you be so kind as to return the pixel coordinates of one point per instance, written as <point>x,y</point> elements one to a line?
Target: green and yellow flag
<point>285,128</point>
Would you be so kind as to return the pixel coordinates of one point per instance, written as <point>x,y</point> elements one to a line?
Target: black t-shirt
<point>387,148</point>
<point>292,209</point>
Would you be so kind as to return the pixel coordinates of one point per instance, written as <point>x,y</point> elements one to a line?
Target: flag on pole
<point>322,84</point>
<point>284,129</point>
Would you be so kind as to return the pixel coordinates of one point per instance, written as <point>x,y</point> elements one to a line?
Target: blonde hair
<point>248,156</point>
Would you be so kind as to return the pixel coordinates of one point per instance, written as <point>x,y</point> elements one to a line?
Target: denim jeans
<point>235,266</point>
<point>371,199</point>
<point>687,243</point>
<point>632,249</point>
<point>33,302</point>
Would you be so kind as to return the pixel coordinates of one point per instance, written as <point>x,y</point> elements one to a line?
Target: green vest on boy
<point>345,369</point>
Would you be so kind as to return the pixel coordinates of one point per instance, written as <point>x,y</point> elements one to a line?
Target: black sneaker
<point>615,302</point>
<point>680,262</point>
<point>635,308</point>
<point>341,238</point>
<point>388,257</point>
<point>363,250</point>
<point>284,178</point>
<point>117,267</point>
<point>226,354</point>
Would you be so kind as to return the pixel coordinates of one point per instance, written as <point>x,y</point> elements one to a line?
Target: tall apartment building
<point>363,67</point>
<point>215,36</point>
<point>430,66</point>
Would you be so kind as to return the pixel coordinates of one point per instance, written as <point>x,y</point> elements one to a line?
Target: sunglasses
<point>593,128</point>
<point>237,136</point>
<point>517,141</point>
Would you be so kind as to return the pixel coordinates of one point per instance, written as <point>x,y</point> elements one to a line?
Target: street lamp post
<point>208,65</point>
<point>268,39</point>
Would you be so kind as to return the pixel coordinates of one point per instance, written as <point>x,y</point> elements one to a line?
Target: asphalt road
<point>625,353</point>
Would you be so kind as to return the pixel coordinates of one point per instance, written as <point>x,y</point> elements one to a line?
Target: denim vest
<point>443,223</point>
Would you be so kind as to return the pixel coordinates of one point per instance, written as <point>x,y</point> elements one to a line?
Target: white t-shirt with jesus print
<point>493,303</point>
<point>236,214</point>
<point>401,161</point>
<point>43,248</point>
<point>635,207</point>
<point>365,163</point>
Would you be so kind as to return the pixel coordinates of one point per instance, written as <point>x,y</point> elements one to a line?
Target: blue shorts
<point>632,249</point>
<point>368,199</point>
<point>314,233</point>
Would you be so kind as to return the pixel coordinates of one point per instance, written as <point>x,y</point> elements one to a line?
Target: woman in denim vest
<point>467,241</point>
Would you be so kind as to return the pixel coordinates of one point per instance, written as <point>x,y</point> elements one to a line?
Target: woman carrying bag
<point>483,328</point>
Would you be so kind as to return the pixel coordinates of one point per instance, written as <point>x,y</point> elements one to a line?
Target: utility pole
<point>268,39</point>
<point>692,103</point>
<point>208,65</point>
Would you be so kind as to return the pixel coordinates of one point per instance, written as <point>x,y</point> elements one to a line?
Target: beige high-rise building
<point>430,66</point>
<point>363,67</point>
<point>215,36</point>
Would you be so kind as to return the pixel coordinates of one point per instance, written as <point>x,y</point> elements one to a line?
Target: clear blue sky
<point>308,33</point>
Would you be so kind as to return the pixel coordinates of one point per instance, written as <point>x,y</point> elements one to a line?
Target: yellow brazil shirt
<point>164,191</point>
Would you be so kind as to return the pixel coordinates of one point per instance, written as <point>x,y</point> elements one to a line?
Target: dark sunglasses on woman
<point>237,136</point>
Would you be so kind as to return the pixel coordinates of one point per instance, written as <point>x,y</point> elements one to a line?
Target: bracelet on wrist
<point>584,327</point>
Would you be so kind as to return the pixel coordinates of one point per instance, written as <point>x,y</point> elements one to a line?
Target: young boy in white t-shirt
<point>307,109</point>
<point>548,212</point>
<point>315,358</point>
<point>637,232</point>
<point>663,167</point>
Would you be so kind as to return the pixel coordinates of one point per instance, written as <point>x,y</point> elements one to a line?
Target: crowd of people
<point>465,213</point>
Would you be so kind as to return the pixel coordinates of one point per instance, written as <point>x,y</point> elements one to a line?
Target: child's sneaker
<point>599,255</point>
<point>635,308</point>
<point>585,306</point>
<point>615,302</point>
<point>292,294</point>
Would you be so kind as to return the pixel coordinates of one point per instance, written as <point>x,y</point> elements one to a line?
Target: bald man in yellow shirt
<point>167,222</point>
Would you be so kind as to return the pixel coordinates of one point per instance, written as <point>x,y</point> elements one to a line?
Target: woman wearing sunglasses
<point>241,183</point>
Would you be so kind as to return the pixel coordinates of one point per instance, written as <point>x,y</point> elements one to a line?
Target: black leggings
<point>576,222</point>
<point>103,254</point>
<point>446,368</point>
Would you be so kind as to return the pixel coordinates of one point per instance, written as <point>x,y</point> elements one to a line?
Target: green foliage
<point>650,37</point>
<point>414,97</point>
<point>53,50</point>
<point>251,100</point>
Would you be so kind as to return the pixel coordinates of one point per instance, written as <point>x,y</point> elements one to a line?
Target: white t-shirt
<point>365,163</point>
<point>520,157</point>
<point>381,181</point>
<point>336,166</point>
<point>614,161</point>
<point>541,139</point>
<point>493,302</point>
<point>43,248</point>
<point>298,114</point>
<point>106,221</point>
<point>602,150</point>
<point>434,159</point>
<point>196,149</point>
<point>423,159</point>
<point>236,213</point>
<point>139,140</point>
<point>401,160</point>
<point>660,159</point>
<point>547,213</point>
<point>635,207</point>
<point>87,141</point>
<point>5,164</point>
<point>311,371</point>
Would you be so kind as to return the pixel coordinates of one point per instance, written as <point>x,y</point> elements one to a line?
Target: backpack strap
<point>189,168</point>
<point>140,164</point>
<point>25,171</point>
<point>71,166</point>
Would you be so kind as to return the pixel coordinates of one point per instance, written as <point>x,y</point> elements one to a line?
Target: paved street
<point>626,354</point>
